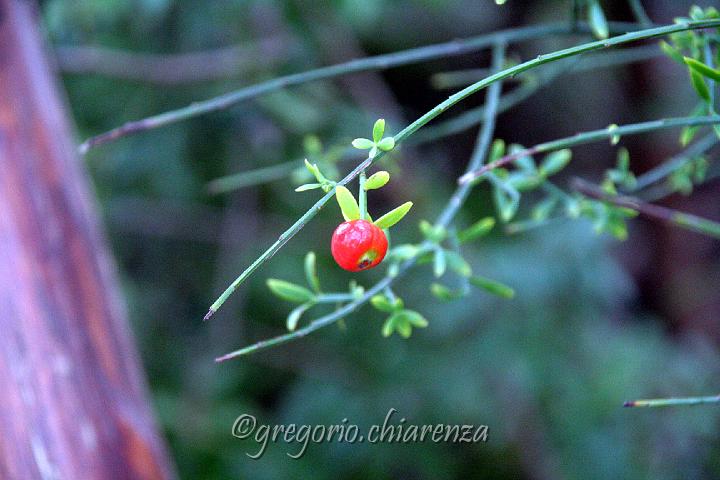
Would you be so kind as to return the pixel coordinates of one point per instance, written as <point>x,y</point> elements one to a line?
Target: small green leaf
<point>403,326</point>
<point>492,286</point>
<point>290,291</point>
<point>403,252</point>
<point>308,186</point>
<point>444,293</point>
<point>687,134</point>
<point>393,216</point>
<point>671,52</point>
<point>386,144</point>
<point>497,150</point>
<point>389,326</point>
<point>507,201</point>
<point>615,139</point>
<point>414,318</point>
<point>377,180</point>
<point>382,303</point>
<point>348,204</point>
<point>313,168</point>
<point>542,210</point>
<point>701,68</point>
<point>698,83</point>
<point>294,317</point>
<point>598,22</point>
<point>555,161</point>
<point>363,143</point>
<point>434,233</point>
<point>458,264</point>
<point>478,229</point>
<point>311,271</point>
<point>378,130</point>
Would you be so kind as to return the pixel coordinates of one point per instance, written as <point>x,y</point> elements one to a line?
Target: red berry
<point>358,245</point>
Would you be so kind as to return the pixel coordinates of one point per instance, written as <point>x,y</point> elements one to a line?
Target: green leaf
<point>497,150</point>
<point>414,318</point>
<point>308,186</point>
<point>363,143</point>
<point>476,230</point>
<point>378,130</point>
<point>702,69</point>
<point>444,293</point>
<point>671,52</point>
<point>542,210</point>
<point>598,22</point>
<point>439,262</point>
<point>507,201</point>
<point>377,180</point>
<point>294,317</point>
<point>290,291</point>
<point>386,144</point>
<point>313,168</point>
<point>687,134</point>
<point>311,271</point>
<point>402,326</point>
<point>382,303</point>
<point>434,233</point>
<point>492,286</point>
<point>555,161</point>
<point>403,252</point>
<point>458,264</point>
<point>698,83</point>
<point>393,216</point>
<point>348,204</point>
<point>389,325</point>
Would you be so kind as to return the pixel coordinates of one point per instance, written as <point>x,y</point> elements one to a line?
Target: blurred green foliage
<point>547,371</point>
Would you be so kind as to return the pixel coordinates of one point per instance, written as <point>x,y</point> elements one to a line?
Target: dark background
<point>595,321</point>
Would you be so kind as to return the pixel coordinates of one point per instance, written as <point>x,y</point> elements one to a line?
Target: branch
<point>675,163</point>
<point>663,214</point>
<point>379,62</point>
<point>170,69</point>
<point>447,215</point>
<point>445,105</point>
<point>671,402</point>
<point>589,137</point>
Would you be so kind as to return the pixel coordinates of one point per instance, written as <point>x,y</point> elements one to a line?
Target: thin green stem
<point>445,217</point>
<point>589,137</point>
<point>663,214</point>
<point>379,62</point>
<point>362,196</point>
<point>673,164</point>
<point>251,178</point>
<point>673,402</point>
<point>640,14</point>
<point>439,109</point>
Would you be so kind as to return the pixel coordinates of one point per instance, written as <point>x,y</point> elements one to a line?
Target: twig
<point>672,402</point>
<point>441,50</point>
<point>170,69</point>
<point>249,178</point>
<point>445,105</point>
<point>589,137</point>
<point>456,201</point>
<point>675,163</point>
<point>640,14</point>
<point>663,214</point>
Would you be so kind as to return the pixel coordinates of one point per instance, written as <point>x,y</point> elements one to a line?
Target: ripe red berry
<point>358,245</point>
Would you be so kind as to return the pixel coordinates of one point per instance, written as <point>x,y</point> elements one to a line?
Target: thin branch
<point>673,402</point>
<point>442,107</point>
<point>379,62</point>
<point>673,164</point>
<point>253,177</point>
<point>640,14</point>
<point>663,214</point>
<point>589,137</point>
<point>456,201</point>
<point>171,69</point>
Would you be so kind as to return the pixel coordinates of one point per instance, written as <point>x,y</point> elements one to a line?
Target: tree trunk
<point>73,401</point>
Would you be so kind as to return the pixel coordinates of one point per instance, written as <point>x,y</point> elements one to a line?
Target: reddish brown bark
<point>73,403</point>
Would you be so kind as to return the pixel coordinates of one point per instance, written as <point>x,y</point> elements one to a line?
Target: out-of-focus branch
<point>663,214</point>
<point>172,69</point>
